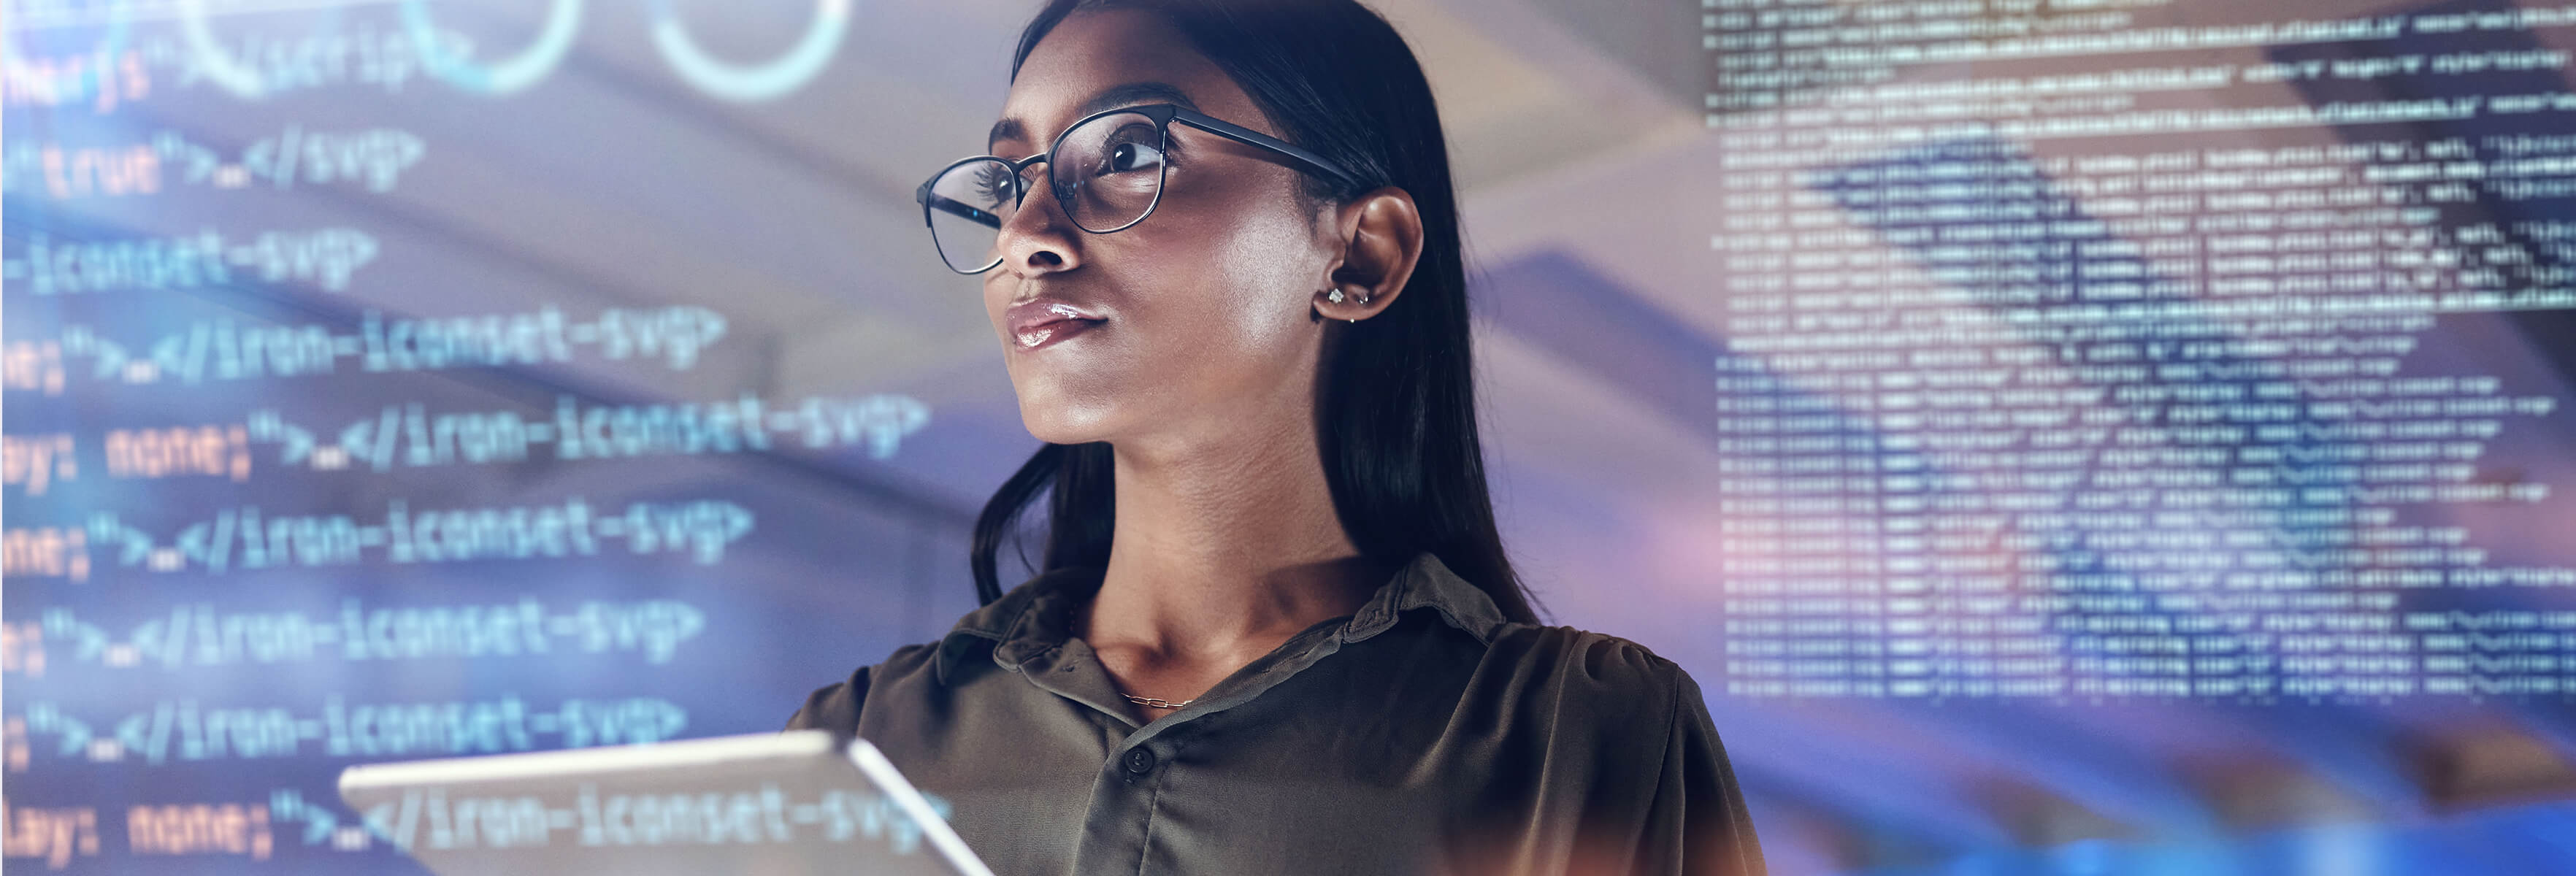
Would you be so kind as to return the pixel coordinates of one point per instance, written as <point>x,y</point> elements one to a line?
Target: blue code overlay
<point>202,634</point>
<point>432,818</point>
<point>185,730</point>
<point>224,349</point>
<point>325,257</point>
<point>373,160</point>
<point>412,436</point>
<point>245,538</point>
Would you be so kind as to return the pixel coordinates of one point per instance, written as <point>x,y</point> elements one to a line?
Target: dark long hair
<point>1396,418</point>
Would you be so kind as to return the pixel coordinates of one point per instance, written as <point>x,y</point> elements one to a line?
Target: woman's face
<point>1204,304</point>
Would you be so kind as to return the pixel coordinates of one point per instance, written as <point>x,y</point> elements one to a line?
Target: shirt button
<point>1139,761</point>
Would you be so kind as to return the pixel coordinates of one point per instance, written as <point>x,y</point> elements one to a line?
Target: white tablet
<point>804,801</point>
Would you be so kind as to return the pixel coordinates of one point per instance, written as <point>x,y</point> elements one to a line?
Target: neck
<point>1220,556</point>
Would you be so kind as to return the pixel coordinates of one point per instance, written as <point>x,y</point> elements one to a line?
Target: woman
<point>1275,631</point>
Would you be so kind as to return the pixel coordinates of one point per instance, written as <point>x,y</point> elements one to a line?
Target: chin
<point>1057,423</point>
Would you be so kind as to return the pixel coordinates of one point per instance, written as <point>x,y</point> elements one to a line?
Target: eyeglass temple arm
<point>1251,137</point>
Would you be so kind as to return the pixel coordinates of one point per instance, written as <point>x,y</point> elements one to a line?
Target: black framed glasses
<point>1106,170</point>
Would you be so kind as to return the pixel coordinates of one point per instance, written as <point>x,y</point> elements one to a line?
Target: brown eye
<point>993,183</point>
<point>1135,150</point>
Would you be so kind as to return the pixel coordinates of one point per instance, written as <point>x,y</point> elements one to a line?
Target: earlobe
<point>1334,295</point>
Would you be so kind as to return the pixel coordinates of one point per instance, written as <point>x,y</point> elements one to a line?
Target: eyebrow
<point>1130,94</point>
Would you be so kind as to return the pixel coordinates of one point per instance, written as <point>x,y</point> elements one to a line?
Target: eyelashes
<point>993,183</point>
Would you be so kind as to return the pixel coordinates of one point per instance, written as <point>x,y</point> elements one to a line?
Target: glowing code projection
<point>340,431</point>
<point>2118,367</point>
<point>202,635</point>
<point>225,350</point>
<point>185,730</point>
<point>326,257</point>
<point>758,815</point>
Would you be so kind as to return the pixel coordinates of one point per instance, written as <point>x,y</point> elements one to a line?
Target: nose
<point>1038,238</point>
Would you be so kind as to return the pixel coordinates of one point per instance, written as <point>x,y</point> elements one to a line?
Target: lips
<point>1046,333</point>
<point>1041,321</point>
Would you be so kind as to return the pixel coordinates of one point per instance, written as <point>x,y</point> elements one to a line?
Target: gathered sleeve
<point>1628,776</point>
<point>833,706</point>
<point>1696,823</point>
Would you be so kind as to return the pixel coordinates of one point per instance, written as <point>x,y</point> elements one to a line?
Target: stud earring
<point>1334,295</point>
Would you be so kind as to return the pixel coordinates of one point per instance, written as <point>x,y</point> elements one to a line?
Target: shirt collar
<point>1035,617</point>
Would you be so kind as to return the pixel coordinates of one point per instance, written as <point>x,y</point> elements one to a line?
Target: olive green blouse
<point>1421,734</point>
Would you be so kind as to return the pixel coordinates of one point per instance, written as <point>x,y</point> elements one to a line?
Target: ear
<point>1380,235</point>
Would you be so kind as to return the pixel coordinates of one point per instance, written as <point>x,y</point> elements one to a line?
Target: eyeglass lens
<point>1107,173</point>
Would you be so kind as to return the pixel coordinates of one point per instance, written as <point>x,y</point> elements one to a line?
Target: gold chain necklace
<point>1157,703</point>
